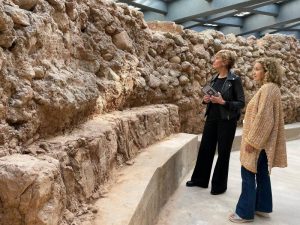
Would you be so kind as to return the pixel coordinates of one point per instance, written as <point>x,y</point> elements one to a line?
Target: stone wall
<point>32,191</point>
<point>53,181</point>
<point>165,26</point>
<point>80,82</point>
<point>62,61</point>
<point>181,63</point>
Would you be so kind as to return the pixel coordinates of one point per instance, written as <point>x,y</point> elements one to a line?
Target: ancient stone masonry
<point>182,64</point>
<point>86,84</point>
<point>62,61</point>
<point>32,190</point>
<point>53,180</point>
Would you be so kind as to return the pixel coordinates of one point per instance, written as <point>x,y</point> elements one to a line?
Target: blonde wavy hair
<point>228,56</point>
<point>273,70</point>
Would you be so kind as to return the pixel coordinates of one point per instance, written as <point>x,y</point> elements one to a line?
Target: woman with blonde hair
<point>222,114</point>
<point>263,143</point>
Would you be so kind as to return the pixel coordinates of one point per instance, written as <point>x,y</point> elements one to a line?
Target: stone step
<point>61,175</point>
<point>142,189</point>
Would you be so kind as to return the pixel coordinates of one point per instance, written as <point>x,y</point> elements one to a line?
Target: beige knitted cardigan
<point>264,129</point>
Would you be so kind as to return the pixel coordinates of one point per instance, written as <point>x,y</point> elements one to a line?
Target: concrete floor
<point>195,206</point>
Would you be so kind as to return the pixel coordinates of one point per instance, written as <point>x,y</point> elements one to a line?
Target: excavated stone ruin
<point>85,85</point>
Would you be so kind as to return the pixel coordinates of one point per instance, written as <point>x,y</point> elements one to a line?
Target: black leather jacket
<point>233,94</point>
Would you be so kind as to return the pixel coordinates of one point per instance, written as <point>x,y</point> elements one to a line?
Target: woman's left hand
<point>217,99</point>
<point>249,148</point>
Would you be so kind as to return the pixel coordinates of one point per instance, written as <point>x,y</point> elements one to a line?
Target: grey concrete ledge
<point>292,131</point>
<point>143,189</point>
<point>196,206</point>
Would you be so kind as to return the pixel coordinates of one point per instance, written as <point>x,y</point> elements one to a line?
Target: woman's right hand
<point>206,98</point>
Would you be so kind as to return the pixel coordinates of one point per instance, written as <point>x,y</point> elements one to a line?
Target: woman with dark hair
<point>263,143</point>
<point>222,114</point>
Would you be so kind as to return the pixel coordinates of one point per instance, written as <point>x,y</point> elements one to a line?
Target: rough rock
<point>122,41</point>
<point>65,62</point>
<point>26,4</point>
<point>32,191</point>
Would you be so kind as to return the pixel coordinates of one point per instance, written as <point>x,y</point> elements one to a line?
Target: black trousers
<point>221,133</point>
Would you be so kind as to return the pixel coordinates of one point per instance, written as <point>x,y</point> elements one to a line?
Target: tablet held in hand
<point>208,90</point>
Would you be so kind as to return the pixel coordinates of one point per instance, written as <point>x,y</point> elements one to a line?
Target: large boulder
<point>32,191</point>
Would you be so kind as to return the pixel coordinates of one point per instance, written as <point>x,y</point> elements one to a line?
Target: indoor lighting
<point>241,14</point>
<point>210,25</point>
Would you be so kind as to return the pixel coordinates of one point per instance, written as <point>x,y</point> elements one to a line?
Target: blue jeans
<point>256,194</point>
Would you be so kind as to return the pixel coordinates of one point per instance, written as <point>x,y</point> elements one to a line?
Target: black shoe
<point>217,192</point>
<point>194,184</point>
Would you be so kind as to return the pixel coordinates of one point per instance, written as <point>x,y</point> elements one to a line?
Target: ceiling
<point>241,17</point>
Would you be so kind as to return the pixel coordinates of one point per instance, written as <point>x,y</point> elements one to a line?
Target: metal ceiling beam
<point>288,13</point>
<point>153,16</point>
<point>270,10</point>
<point>179,11</point>
<point>260,4</point>
<point>192,14</point>
<point>191,24</point>
<point>232,12</point>
<point>221,15</point>
<point>294,28</point>
<point>292,24</point>
<point>262,10</point>
<point>297,28</point>
<point>230,21</point>
<point>234,21</point>
<point>200,20</point>
<point>148,5</point>
<point>255,23</point>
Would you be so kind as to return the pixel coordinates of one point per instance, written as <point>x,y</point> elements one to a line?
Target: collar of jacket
<point>230,76</point>
<point>227,84</point>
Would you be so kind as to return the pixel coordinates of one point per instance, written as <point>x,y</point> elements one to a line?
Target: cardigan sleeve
<point>262,125</point>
